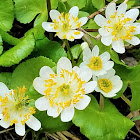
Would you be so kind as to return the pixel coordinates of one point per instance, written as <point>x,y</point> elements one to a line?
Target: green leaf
<point>83,14</point>
<point>5,77</point>
<point>50,49</point>
<point>27,71</point>
<point>8,38</point>
<point>136,118</point>
<point>108,124</point>
<point>26,10</point>
<point>62,7</point>
<point>54,4</point>
<point>98,3</point>
<point>78,3</point>
<point>6,14</point>
<point>19,52</point>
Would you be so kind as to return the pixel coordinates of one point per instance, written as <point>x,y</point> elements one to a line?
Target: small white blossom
<point>65,25</point>
<point>14,110</point>
<point>108,84</point>
<point>98,64</point>
<point>65,90</point>
<point>118,26</point>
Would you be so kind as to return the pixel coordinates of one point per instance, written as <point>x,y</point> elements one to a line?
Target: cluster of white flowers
<point>68,89</point>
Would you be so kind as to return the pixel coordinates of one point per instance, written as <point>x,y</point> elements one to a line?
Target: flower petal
<point>90,86</point>
<point>83,103</point>
<point>64,63</point>
<point>95,51</point>
<point>67,114</point>
<point>83,20</point>
<point>108,65</point>
<point>85,73</point>
<point>137,25</point>
<point>4,124</point>
<point>54,14</point>
<point>20,129</point>
<point>110,73</point>
<point>38,84</point>
<point>106,40</point>
<point>132,13</point>
<point>48,26</point>
<point>74,11</point>
<point>100,20</point>
<point>105,56</point>
<point>42,103</point>
<point>33,123</point>
<point>134,41</point>
<point>110,10</point>
<point>122,9</point>
<point>76,69</point>
<point>98,72</point>
<point>118,46</point>
<point>104,32</point>
<point>3,89</point>
<point>87,55</point>
<point>52,112</point>
<point>45,72</point>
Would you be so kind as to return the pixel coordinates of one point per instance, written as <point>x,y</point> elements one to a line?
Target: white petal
<point>137,25</point>
<point>90,86</point>
<point>42,103</point>
<point>45,72</point>
<point>47,26</point>
<point>1,116</point>
<point>52,112</point>
<point>74,11</point>
<point>94,78</point>
<point>83,103</point>
<point>110,95</point>
<point>39,85</point>
<point>106,40</point>
<point>54,14</point>
<point>76,69</point>
<point>122,8</point>
<point>85,73</point>
<point>83,20</point>
<point>110,73</point>
<point>4,124</point>
<point>118,46</point>
<point>95,51</point>
<point>64,63</point>
<point>104,32</point>
<point>108,65</point>
<point>67,114</point>
<point>84,45</point>
<point>134,41</point>
<point>33,123</point>
<point>3,89</point>
<point>132,13</point>
<point>20,129</point>
<point>87,55</point>
<point>98,72</point>
<point>100,20</point>
<point>105,56</point>
<point>110,10</point>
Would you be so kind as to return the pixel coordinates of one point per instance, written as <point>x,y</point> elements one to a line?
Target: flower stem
<point>68,48</point>
<point>126,100</point>
<point>101,103</point>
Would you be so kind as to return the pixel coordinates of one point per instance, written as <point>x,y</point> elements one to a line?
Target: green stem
<point>126,100</point>
<point>101,103</point>
<point>68,48</point>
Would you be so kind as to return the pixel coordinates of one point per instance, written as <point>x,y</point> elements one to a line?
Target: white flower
<point>14,110</point>
<point>84,45</point>
<point>98,64</point>
<point>118,26</point>
<point>65,25</point>
<point>108,84</point>
<point>65,90</point>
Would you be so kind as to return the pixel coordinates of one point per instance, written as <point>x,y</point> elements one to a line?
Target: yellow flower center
<point>15,107</point>
<point>105,85</point>
<point>64,90</point>
<point>118,28</point>
<point>95,63</point>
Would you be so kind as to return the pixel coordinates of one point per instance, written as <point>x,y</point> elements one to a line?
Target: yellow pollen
<point>76,33</point>
<point>105,85</point>
<point>95,63</point>
<point>65,37</point>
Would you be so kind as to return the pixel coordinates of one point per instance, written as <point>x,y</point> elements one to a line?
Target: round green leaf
<point>5,77</point>
<point>108,124</point>
<point>78,3</point>
<point>19,52</point>
<point>98,3</point>
<point>6,14</point>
